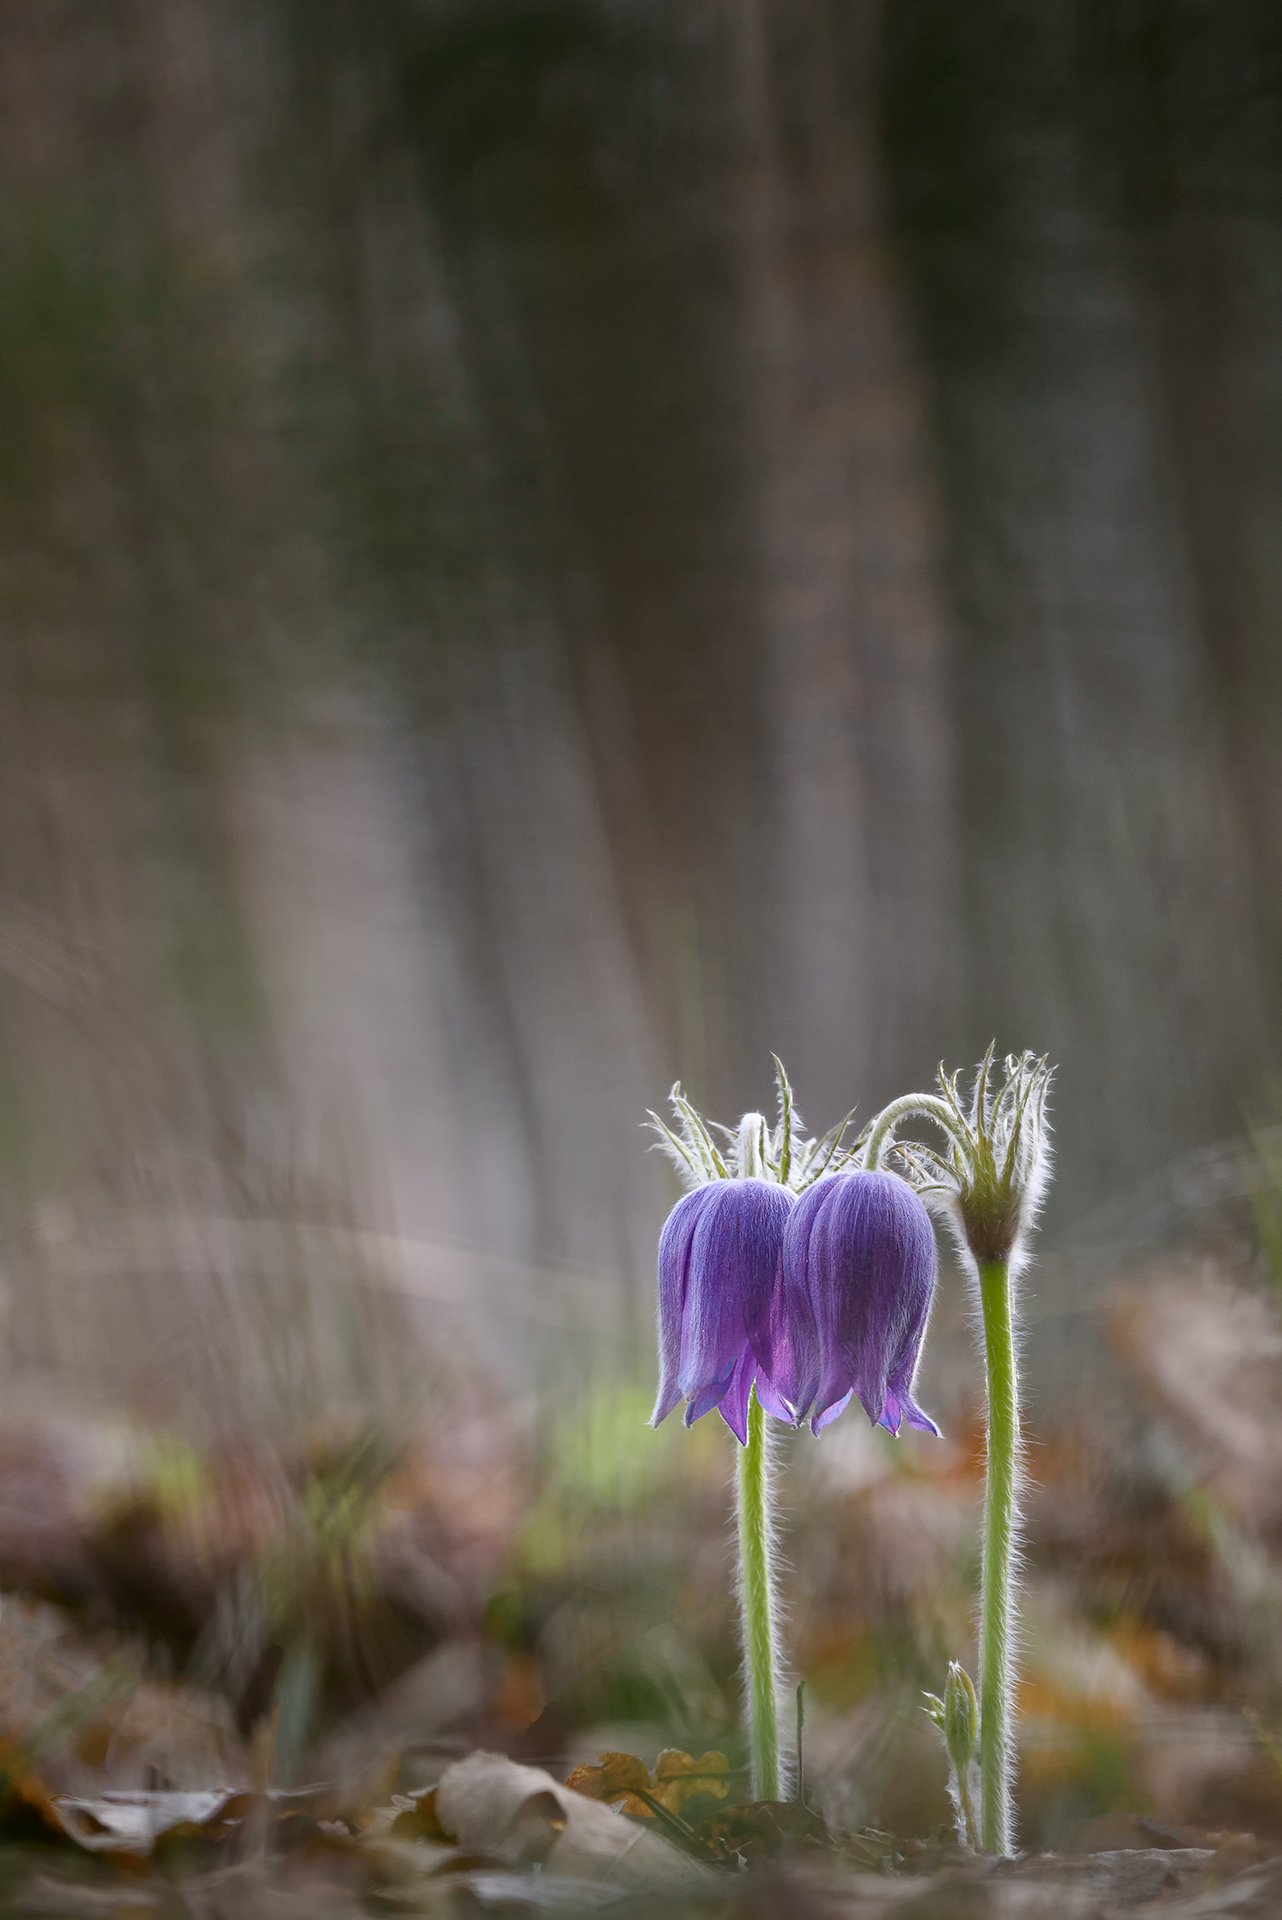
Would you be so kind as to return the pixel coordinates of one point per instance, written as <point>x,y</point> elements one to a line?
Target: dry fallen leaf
<point>131,1826</point>
<point>134,1823</point>
<point>679,1778</point>
<point>490,1804</point>
<point>416,1818</point>
<point>623,1781</point>
<point>615,1780</point>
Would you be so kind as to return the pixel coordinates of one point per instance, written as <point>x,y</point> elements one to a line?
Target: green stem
<point>997,1603</point>
<point>929,1106</point>
<point>748,1156</point>
<point>757,1607</point>
<point>966,1808</point>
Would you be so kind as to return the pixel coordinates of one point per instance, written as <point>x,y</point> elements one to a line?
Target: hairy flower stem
<point>757,1607</point>
<point>968,1825</point>
<point>997,1601</point>
<point>926,1105</point>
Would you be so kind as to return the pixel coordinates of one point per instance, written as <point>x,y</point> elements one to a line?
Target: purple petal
<point>734,1407</point>
<point>822,1420</point>
<point>905,1408</point>
<point>734,1404</point>
<point>732,1269</point>
<point>860,1249</point>
<point>786,1342</point>
<point>674,1273</point>
<point>777,1409</point>
<point>707,1398</point>
<point>764,1314</point>
<point>903,1369</point>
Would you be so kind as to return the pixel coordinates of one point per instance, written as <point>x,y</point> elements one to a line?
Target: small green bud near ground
<point>957,1717</point>
<point>961,1716</point>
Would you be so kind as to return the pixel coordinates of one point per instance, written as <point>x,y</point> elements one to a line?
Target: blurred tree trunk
<point>846,545</point>
<point>546,545</point>
<point>1103,879</point>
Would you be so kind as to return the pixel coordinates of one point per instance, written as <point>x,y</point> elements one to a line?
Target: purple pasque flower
<point>721,1301</point>
<point>859,1269</point>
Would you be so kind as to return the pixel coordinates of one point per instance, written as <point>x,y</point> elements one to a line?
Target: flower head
<point>720,1300</point>
<point>990,1179</point>
<point>859,1267</point>
<point>785,1269</point>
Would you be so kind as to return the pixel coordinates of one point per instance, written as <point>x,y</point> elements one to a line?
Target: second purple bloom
<point>859,1270</point>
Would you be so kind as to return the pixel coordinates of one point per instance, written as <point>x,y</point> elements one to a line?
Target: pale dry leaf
<point>132,1823</point>
<point>493,1805</point>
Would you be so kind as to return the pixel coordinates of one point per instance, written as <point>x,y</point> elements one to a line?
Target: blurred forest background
<point>547,545</point>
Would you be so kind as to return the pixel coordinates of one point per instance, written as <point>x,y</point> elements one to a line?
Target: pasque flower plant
<point>798,1274</point>
<point>988,1183</point>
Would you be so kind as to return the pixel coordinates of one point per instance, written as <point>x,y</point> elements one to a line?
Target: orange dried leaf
<point>623,1781</point>
<point>615,1780</point>
<point>680,1778</point>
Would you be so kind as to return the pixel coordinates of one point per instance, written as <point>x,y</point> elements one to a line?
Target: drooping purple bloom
<point>859,1268</point>
<point>721,1300</point>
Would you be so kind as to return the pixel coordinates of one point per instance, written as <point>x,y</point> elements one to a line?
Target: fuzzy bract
<point>859,1270</point>
<point>990,1179</point>
<point>721,1300</point>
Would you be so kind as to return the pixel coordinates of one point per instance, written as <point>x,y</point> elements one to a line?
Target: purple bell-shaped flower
<point>859,1269</point>
<point>721,1300</point>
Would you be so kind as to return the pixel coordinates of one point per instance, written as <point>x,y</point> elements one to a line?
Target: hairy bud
<point>990,1178</point>
<point>957,1717</point>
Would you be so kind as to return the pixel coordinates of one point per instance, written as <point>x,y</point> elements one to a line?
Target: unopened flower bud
<point>992,1174</point>
<point>957,1717</point>
<point>961,1717</point>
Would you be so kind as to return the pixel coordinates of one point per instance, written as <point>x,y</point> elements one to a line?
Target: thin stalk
<point>748,1156</point>
<point>966,1809</point>
<point>997,1602</point>
<point>757,1607</point>
<point>930,1107</point>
